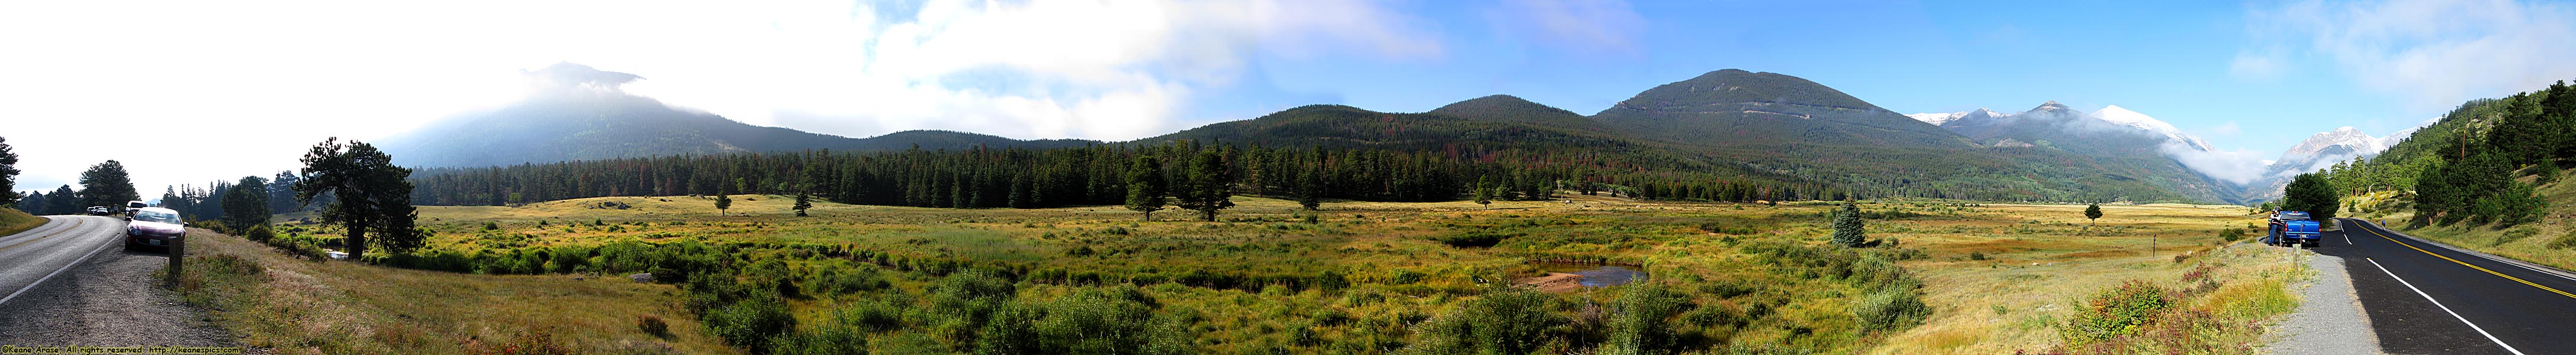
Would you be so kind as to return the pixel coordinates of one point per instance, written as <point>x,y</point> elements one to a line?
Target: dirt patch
<point>1554,282</point>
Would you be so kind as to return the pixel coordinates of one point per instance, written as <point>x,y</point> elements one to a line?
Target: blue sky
<point>2250,77</point>
<point>2177,61</point>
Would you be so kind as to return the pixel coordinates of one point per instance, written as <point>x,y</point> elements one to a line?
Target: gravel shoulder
<point>2330,320</point>
<point>112,300</point>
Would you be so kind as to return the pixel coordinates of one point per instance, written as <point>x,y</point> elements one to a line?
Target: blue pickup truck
<point>2291,227</point>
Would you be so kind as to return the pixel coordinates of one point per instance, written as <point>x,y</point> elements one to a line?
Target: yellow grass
<point>307,307</point>
<point>2047,258</point>
<point>12,221</point>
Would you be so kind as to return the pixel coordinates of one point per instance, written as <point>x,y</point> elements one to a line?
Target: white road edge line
<point>2445,309</point>
<point>40,281</point>
<point>2480,255</point>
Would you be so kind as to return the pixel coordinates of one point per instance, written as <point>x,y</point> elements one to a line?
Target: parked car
<point>154,228</point>
<point>2292,228</point>
<point>100,211</point>
<point>130,206</point>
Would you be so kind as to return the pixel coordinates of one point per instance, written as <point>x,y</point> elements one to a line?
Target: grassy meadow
<point>1356,278</point>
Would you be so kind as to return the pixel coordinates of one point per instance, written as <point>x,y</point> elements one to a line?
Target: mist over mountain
<point>579,113</point>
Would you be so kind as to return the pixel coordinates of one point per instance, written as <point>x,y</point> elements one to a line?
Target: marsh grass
<point>1258,280</point>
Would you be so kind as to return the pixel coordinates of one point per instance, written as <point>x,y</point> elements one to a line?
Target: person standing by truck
<point>2291,227</point>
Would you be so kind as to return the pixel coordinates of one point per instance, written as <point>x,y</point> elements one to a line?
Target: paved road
<point>92,292</point>
<point>47,251</point>
<point>2426,298</point>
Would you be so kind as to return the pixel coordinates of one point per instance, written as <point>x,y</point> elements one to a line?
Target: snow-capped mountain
<point>2323,150</point>
<point>1937,119</point>
<point>2342,143</point>
<point>2059,116</point>
<point>2132,119</point>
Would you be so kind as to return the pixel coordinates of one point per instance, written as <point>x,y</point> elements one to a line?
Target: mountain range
<point>1728,122</point>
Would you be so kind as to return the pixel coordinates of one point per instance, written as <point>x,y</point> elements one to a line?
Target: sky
<point>187,92</point>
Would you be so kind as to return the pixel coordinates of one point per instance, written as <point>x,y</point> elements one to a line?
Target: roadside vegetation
<point>2488,177</point>
<point>12,221</point>
<point>2046,279</point>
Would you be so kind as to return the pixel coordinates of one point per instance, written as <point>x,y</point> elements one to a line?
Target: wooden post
<point>178,251</point>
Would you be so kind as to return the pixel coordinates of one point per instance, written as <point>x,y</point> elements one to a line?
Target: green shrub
<point>2565,240</point>
<point>2510,236</point>
<point>259,233</point>
<point>2116,312</point>
<point>652,325</point>
<point>1505,321</point>
<point>1404,276</point>
<point>2231,235</point>
<point>1978,255</point>
<point>1638,320</point>
<point>1891,309</point>
<point>750,323</point>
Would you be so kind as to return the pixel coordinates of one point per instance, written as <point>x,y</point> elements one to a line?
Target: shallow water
<point>1602,275</point>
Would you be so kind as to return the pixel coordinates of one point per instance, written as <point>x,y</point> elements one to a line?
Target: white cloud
<point>2238,167</point>
<point>1583,25</point>
<point>2434,53</point>
<point>244,87</point>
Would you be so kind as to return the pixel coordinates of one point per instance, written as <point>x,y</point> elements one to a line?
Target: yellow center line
<point>75,226</point>
<point>2498,274</point>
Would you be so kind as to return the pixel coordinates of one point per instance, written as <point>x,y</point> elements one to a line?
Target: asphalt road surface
<point>2427,298</point>
<point>69,282</point>
<point>38,254</point>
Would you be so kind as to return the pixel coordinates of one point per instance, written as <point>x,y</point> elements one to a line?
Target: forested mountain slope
<point>1705,138</point>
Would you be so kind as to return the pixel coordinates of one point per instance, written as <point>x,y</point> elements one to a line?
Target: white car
<point>154,227</point>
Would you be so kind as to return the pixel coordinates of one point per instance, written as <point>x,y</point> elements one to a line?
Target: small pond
<point>1598,275</point>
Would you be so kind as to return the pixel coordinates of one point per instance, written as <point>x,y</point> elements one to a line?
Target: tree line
<point>104,184</point>
<point>1099,175</point>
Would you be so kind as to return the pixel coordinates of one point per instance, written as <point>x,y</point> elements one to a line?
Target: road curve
<point>39,254</point>
<point>2427,298</point>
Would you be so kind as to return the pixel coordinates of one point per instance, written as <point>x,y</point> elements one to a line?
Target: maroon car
<point>155,228</point>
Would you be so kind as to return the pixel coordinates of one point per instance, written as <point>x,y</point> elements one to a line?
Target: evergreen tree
<point>2093,212</point>
<point>724,203</point>
<point>1210,187</point>
<point>2312,194</point>
<point>281,193</point>
<point>8,174</point>
<point>803,201</point>
<point>246,204</point>
<point>1019,197</point>
<point>1848,230</point>
<point>1310,190</point>
<point>106,184</point>
<point>374,196</point>
<point>1145,186</point>
<point>1485,192</point>
<point>65,201</point>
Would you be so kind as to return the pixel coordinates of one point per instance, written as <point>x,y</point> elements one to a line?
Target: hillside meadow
<point>1354,278</point>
